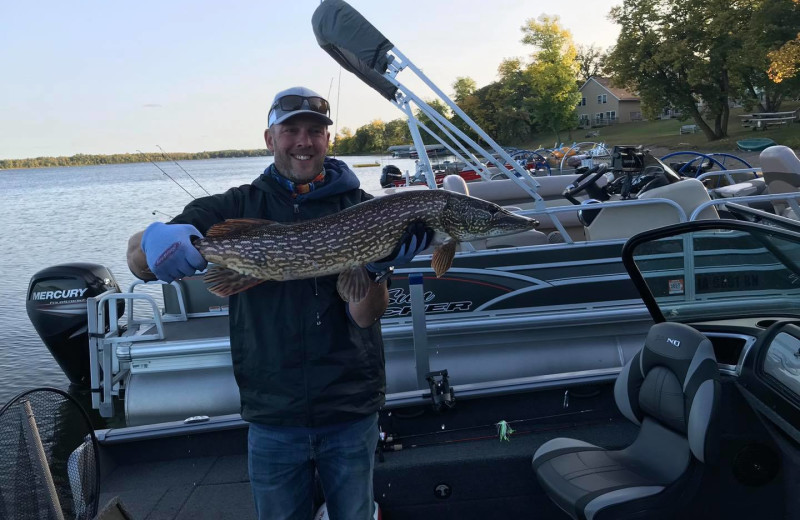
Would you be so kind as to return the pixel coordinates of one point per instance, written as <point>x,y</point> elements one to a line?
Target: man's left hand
<point>416,238</point>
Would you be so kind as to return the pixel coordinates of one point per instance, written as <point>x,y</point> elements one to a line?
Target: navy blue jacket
<point>297,357</point>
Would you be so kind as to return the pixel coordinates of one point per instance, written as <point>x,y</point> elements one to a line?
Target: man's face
<point>299,145</point>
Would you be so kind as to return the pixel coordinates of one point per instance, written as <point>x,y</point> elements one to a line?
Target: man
<point>310,367</point>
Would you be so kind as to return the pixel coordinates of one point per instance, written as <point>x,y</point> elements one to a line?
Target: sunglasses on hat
<point>294,102</point>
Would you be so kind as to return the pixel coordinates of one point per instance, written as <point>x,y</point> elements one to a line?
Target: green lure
<point>504,430</point>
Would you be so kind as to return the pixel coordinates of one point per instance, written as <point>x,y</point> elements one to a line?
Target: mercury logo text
<point>58,295</point>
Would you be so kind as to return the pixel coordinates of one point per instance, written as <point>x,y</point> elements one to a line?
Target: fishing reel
<point>442,395</point>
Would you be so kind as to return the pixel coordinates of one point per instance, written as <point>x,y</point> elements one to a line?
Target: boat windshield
<point>717,271</point>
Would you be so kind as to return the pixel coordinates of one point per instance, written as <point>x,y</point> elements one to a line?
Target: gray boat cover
<point>355,43</point>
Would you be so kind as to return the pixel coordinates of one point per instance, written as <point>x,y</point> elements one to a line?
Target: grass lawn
<point>666,134</point>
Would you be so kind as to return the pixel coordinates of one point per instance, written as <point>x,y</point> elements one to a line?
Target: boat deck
<point>205,476</point>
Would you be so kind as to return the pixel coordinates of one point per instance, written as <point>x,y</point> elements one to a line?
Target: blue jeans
<point>281,461</point>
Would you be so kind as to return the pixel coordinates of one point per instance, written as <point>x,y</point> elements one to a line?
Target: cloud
<point>152,105</point>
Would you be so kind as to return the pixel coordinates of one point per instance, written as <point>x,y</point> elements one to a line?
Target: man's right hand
<point>169,250</point>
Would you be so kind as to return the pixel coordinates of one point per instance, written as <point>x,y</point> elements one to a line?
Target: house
<point>601,104</point>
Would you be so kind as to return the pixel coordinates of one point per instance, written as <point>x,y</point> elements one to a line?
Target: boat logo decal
<point>400,304</point>
<point>58,295</point>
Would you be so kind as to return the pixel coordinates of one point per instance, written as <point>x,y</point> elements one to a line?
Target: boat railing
<point>105,333</point>
<point>729,174</point>
<point>113,341</point>
<point>554,211</point>
<point>789,198</point>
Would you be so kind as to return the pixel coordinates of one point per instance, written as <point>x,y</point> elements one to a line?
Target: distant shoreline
<point>126,158</point>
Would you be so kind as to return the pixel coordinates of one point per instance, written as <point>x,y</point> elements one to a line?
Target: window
<point>599,100</point>
<point>583,102</point>
<point>611,115</point>
<point>604,99</point>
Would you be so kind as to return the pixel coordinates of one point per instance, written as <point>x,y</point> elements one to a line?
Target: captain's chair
<point>671,390</point>
<point>781,169</point>
<point>624,222</point>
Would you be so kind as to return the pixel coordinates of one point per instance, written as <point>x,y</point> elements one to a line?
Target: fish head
<point>468,218</point>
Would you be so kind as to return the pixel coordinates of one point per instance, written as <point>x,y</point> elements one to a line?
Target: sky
<point>99,77</point>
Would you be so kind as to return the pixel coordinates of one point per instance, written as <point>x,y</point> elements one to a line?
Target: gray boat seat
<point>671,390</point>
<point>626,221</point>
<point>741,189</point>
<point>781,170</point>
<point>457,184</point>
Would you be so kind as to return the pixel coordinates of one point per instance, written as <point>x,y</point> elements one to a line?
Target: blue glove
<point>169,250</point>
<point>416,238</point>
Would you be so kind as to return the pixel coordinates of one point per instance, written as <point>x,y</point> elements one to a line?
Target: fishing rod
<point>181,167</point>
<point>391,442</point>
<point>485,426</point>
<point>165,173</point>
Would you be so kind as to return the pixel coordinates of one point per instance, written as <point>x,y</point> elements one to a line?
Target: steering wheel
<point>587,179</point>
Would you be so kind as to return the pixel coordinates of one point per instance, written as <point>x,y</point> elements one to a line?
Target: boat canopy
<point>354,43</point>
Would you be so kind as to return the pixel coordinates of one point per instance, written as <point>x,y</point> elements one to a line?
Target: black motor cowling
<point>389,175</point>
<point>56,306</point>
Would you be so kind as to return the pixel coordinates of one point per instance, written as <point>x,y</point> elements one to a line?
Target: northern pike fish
<point>250,251</point>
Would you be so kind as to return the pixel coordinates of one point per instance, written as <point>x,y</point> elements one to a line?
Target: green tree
<point>343,142</point>
<point>552,74</point>
<point>396,133</point>
<point>463,87</point>
<point>590,59</point>
<point>514,102</point>
<point>772,24</point>
<point>698,55</point>
<point>369,138</point>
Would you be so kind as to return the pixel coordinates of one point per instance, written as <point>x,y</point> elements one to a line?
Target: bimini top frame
<point>363,50</point>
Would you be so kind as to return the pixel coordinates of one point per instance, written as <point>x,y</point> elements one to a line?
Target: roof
<point>619,93</point>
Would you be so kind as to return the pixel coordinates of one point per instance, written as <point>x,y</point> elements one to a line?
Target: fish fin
<point>442,258</point>
<point>353,284</point>
<point>224,282</point>
<point>236,225</point>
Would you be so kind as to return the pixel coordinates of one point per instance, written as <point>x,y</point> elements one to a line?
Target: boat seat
<point>741,189</point>
<point>626,221</point>
<point>671,390</point>
<point>781,170</point>
<point>457,184</point>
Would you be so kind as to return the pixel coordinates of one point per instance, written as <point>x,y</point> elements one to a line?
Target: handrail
<point>728,174</point>
<point>104,331</point>
<point>552,211</point>
<point>182,314</point>
<point>790,198</point>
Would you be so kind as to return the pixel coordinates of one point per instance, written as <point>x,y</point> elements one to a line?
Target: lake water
<point>51,216</point>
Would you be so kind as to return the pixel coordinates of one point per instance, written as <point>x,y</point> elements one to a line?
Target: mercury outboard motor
<point>56,306</point>
<point>389,175</point>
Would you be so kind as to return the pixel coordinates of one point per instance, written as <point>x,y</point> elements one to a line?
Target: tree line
<point>121,158</point>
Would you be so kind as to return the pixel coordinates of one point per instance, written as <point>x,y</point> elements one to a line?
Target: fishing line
<point>181,167</point>
<point>165,173</point>
<point>162,213</point>
<point>338,95</point>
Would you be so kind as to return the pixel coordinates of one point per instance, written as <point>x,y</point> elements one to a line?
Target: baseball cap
<point>298,100</point>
